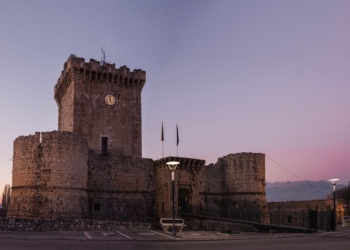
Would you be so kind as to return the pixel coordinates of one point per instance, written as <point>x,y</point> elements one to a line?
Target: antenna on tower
<point>103,59</point>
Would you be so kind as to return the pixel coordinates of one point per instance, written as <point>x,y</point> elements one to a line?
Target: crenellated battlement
<point>185,163</point>
<point>247,159</point>
<point>94,71</point>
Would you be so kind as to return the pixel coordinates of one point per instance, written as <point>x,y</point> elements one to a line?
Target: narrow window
<point>97,207</point>
<point>206,199</point>
<point>163,207</point>
<point>289,219</point>
<point>104,145</point>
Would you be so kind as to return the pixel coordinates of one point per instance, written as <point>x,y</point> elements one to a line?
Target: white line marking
<point>164,235</point>
<point>124,235</point>
<point>107,234</point>
<point>41,237</point>
<point>88,236</point>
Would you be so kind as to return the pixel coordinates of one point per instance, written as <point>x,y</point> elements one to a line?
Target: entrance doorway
<point>183,201</point>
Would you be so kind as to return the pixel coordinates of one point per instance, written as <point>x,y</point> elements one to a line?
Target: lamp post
<point>347,202</point>
<point>334,183</point>
<point>172,166</point>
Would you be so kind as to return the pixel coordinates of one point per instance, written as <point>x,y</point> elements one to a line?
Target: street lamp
<point>172,166</point>
<point>334,182</point>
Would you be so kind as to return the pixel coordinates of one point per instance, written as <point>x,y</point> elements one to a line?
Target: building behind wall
<point>93,167</point>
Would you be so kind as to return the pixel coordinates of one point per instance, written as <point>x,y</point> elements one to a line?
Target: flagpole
<point>162,139</point>
<point>177,141</point>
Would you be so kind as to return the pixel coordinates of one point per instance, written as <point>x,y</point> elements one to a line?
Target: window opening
<point>104,145</point>
<point>97,207</point>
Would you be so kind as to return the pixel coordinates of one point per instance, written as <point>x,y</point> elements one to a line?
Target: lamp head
<point>333,181</point>
<point>172,165</point>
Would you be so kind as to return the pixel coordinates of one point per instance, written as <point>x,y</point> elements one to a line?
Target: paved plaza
<point>159,235</point>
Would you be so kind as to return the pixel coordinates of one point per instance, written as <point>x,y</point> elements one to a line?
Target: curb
<point>8,237</point>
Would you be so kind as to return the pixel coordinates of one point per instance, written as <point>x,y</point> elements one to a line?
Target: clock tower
<point>102,104</point>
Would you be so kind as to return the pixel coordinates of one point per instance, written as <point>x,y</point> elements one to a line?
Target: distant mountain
<point>298,190</point>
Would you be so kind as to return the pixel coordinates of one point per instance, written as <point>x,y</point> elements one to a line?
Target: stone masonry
<point>80,95</point>
<point>49,173</point>
<point>92,167</point>
<point>236,181</point>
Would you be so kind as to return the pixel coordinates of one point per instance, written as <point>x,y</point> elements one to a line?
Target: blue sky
<point>236,76</point>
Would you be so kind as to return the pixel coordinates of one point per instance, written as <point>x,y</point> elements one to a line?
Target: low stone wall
<point>216,225</point>
<point>19,224</point>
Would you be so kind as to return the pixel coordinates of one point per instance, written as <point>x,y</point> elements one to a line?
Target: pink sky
<point>237,76</point>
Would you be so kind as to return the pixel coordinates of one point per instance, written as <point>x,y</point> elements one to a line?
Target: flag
<point>162,136</point>
<point>177,135</point>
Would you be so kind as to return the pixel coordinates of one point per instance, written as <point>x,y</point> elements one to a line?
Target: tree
<point>6,196</point>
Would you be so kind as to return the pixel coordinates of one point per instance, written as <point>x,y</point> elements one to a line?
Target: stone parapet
<point>98,72</point>
<point>185,163</point>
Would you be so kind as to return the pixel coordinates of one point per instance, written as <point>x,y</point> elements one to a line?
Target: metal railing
<point>225,213</point>
<point>303,219</point>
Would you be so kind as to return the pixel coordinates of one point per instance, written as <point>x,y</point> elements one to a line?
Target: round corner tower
<point>244,179</point>
<point>49,175</point>
<point>245,172</point>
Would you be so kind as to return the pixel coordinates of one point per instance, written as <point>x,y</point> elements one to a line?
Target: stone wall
<point>122,186</point>
<point>17,224</point>
<point>92,117</point>
<point>64,97</point>
<point>186,184</point>
<point>235,183</point>
<point>49,174</point>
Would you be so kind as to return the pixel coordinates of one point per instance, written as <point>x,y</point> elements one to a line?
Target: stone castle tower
<point>49,174</point>
<point>92,167</point>
<point>102,104</point>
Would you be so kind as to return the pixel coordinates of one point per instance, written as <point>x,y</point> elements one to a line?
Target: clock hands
<point>110,99</point>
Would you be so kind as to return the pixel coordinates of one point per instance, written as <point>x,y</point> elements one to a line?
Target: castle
<point>92,167</point>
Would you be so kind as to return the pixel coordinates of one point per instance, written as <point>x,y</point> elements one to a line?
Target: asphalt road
<point>157,239</point>
<point>309,243</point>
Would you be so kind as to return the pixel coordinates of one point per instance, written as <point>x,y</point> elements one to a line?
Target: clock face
<point>110,99</point>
